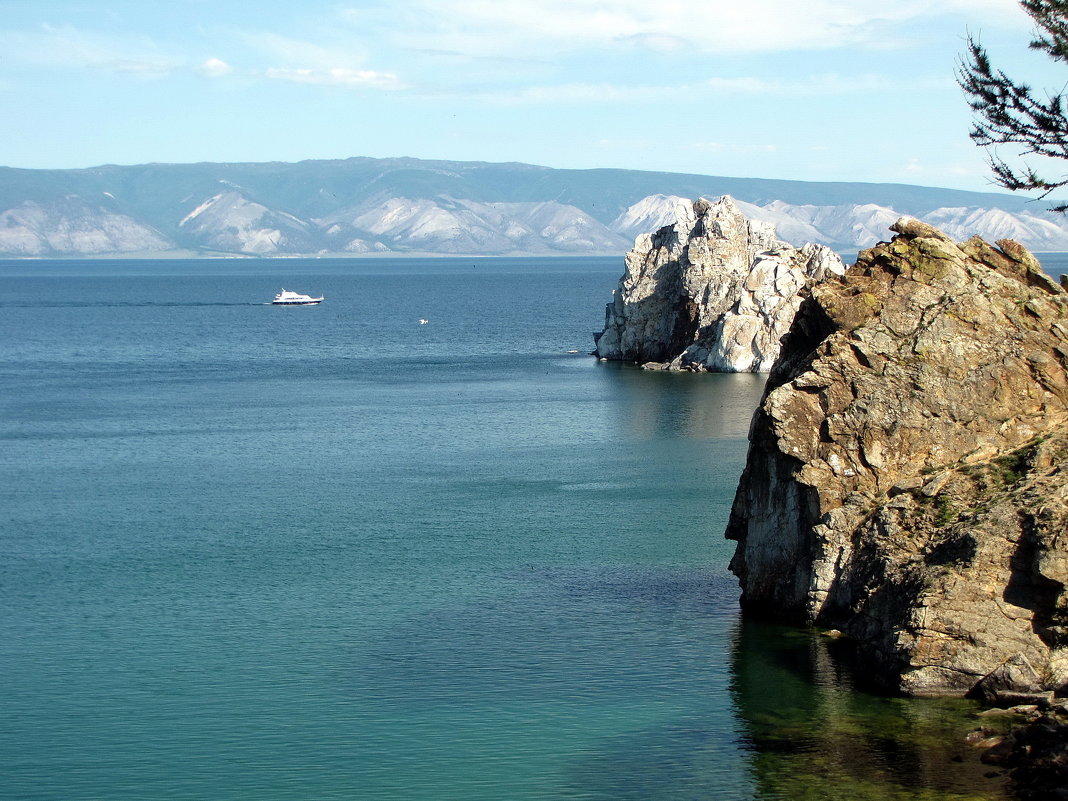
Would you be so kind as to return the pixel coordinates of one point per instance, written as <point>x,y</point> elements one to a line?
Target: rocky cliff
<point>714,291</point>
<point>905,480</point>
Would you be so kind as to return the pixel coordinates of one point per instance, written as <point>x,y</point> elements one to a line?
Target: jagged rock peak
<point>905,479</point>
<point>714,291</point>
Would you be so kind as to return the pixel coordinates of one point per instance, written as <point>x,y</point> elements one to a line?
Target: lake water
<point>330,553</point>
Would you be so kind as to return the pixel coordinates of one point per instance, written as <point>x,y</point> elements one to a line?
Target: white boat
<point>287,298</point>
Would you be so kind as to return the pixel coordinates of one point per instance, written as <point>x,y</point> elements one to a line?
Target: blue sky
<point>819,90</point>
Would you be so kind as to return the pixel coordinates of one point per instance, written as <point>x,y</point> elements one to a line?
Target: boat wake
<point>112,304</point>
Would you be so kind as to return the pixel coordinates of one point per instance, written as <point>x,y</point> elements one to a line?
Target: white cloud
<point>330,62</point>
<point>607,93</point>
<point>299,61</point>
<point>726,147</point>
<point>335,76</point>
<point>823,85</point>
<point>67,46</point>
<point>944,172</point>
<point>304,54</point>
<point>577,93</point>
<point>627,144</point>
<point>140,68</point>
<point>482,27</point>
<point>215,68</point>
<point>662,42</point>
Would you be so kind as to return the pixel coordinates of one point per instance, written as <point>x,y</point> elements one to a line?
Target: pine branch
<point>1010,113</point>
<point>1052,18</point>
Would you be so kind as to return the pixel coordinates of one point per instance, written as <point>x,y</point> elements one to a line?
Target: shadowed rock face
<point>904,480</point>
<point>714,291</point>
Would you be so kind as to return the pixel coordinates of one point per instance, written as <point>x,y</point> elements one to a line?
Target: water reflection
<point>653,404</point>
<point>813,734</point>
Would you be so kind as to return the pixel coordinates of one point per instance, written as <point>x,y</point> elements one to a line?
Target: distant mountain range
<point>367,206</point>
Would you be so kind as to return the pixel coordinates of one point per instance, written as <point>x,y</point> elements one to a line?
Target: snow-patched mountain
<point>231,222</point>
<point>72,226</point>
<point>412,224</point>
<point>451,225</point>
<point>549,226</point>
<point>1037,231</point>
<point>790,228</point>
<point>862,225</point>
<point>651,214</point>
<point>403,205</point>
<point>845,225</point>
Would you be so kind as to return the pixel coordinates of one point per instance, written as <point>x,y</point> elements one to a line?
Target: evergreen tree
<point>1010,113</point>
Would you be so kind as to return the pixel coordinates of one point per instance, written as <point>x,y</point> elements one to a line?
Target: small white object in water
<point>288,298</point>
<point>423,321</point>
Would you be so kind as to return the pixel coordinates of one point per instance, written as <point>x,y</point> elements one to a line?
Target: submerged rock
<point>905,480</point>
<point>714,291</point>
<point>1037,755</point>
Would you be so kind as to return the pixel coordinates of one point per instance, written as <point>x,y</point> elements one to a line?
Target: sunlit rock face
<point>714,291</point>
<point>905,480</point>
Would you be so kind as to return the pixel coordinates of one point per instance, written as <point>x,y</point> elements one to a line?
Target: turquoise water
<point>330,553</point>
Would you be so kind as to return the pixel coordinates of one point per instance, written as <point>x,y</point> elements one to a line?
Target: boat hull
<point>314,302</point>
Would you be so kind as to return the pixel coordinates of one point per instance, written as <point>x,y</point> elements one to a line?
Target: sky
<point>820,90</point>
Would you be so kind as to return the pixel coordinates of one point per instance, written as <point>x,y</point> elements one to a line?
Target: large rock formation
<point>714,291</point>
<point>905,480</point>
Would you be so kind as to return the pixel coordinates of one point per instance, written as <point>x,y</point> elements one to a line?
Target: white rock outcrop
<point>714,292</point>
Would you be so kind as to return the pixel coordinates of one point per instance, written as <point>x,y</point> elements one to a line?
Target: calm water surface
<point>330,553</point>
